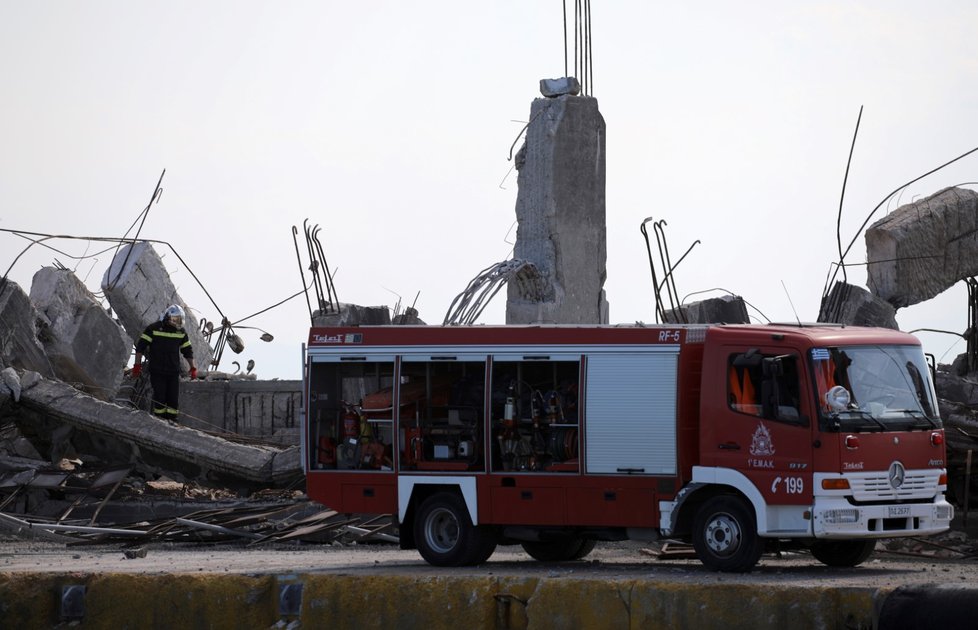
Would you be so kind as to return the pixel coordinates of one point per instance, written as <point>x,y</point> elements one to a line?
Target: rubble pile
<point>74,432</point>
<point>923,248</point>
<point>64,401</point>
<point>193,514</point>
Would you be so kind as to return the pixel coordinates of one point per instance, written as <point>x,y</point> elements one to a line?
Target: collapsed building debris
<point>139,289</point>
<point>923,248</point>
<point>353,315</point>
<point>19,332</point>
<point>290,519</point>
<point>117,434</point>
<point>560,210</point>
<point>675,313</point>
<point>85,345</point>
<point>726,309</point>
<point>855,306</point>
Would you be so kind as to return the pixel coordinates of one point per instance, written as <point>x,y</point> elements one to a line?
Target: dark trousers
<point>166,395</point>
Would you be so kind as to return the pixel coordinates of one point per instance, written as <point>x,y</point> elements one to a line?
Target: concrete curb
<point>449,603</point>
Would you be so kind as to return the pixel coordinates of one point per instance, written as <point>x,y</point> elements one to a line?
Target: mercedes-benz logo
<point>896,475</point>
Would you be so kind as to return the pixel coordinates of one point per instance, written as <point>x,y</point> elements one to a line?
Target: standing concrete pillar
<point>560,210</point>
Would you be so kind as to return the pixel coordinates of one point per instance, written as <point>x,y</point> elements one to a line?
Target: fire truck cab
<point>554,437</point>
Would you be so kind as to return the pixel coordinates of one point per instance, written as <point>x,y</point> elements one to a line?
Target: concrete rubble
<point>560,210</point>
<point>20,346</point>
<point>139,288</point>
<point>84,344</point>
<point>63,358</point>
<point>354,315</point>
<point>726,309</point>
<point>124,435</point>
<point>855,306</point>
<point>958,397</point>
<point>923,248</point>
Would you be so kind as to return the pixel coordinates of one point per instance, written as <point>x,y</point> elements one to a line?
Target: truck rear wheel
<point>843,553</point>
<point>445,535</point>
<point>725,535</point>
<point>559,550</point>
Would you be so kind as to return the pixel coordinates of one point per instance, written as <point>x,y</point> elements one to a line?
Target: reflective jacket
<point>164,344</point>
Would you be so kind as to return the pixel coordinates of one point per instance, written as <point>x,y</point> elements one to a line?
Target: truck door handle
<point>729,446</point>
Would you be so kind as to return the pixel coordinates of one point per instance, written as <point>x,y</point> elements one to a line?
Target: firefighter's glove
<point>137,370</point>
<point>193,374</point>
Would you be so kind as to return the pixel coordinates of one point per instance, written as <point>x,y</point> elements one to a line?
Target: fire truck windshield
<point>885,388</point>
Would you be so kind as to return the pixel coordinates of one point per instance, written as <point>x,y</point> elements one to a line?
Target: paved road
<point>608,561</point>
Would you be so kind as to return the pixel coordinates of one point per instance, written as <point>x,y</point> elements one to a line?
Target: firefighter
<point>163,342</point>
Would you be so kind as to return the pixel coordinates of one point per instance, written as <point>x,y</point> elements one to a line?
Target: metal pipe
<point>87,530</point>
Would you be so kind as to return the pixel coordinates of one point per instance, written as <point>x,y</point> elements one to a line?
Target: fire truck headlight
<point>945,512</point>
<point>838,517</point>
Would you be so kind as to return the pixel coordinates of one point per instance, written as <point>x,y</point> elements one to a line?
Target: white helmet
<point>174,313</point>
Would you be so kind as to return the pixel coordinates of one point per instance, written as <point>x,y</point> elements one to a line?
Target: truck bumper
<point>835,517</point>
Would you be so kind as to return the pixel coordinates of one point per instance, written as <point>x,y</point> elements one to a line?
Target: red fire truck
<point>732,438</point>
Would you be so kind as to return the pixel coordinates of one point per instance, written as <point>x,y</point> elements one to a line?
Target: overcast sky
<point>389,124</point>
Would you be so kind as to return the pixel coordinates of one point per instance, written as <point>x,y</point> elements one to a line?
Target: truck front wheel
<point>445,535</point>
<point>725,535</point>
<point>843,553</point>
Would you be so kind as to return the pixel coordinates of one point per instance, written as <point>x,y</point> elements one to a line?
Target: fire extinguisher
<point>351,423</point>
<point>509,410</point>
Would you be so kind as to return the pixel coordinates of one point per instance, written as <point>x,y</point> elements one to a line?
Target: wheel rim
<point>723,535</point>
<point>441,530</point>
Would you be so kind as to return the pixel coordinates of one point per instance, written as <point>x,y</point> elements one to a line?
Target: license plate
<point>898,510</point>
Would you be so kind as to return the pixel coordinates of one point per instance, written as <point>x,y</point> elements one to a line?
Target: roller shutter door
<point>631,412</point>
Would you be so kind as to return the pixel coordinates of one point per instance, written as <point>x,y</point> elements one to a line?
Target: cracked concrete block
<point>60,419</point>
<point>20,345</point>
<point>726,309</point>
<point>560,209</point>
<point>139,288</point>
<point>86,347</point>
<point>855,306</point>
<point>923,248</point>
<point>408,318</point>
<point>354,315</point>
<point>11,380</point>
<point>559,87</point>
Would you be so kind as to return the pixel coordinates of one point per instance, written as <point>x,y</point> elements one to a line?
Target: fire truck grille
<point>876,486</point>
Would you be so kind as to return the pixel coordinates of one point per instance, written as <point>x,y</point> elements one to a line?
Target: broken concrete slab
<point>86,346</point>
<point>354,315</point>
<point>559,87</point>
<point>268,410</point>
<point>726,309</point>
<point>408,318</point>
<point>560,209</point>
<point>10,382</point>
<point>20,346</point>
<point>855,306</point>
<point>151,440</point>
<point>923,248</point>
<point>139,289</point>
